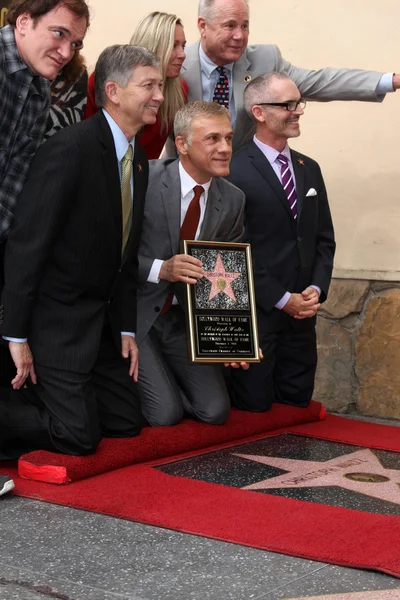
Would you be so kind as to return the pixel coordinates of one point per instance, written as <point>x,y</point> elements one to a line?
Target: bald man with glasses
<point>290,229</point>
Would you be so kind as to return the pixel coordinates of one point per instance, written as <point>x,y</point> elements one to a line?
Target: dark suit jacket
<point>63,264</point>
<point>223,221</point>
<point>288,254</point>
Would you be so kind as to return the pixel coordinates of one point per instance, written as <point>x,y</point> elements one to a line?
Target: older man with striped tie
<point>290,229</point>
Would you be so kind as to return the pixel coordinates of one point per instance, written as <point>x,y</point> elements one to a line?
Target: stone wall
<point>358,334</point>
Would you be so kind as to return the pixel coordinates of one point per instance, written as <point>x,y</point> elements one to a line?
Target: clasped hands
<point>304,305</point>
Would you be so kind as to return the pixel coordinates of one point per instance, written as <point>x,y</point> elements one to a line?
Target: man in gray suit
<point>186,199</point>
<point>221,60</point>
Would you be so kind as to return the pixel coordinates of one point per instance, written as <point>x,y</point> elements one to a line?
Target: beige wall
<point>355,143</point>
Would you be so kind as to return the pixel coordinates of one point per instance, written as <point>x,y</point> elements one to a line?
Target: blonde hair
<point>156,32</point>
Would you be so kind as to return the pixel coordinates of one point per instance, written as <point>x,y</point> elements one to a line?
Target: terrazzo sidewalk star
<point>360,472</point>
<point>200,491</point>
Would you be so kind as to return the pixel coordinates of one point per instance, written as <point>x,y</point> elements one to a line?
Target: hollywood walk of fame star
<point>360,471</point>
<point>221,280</point>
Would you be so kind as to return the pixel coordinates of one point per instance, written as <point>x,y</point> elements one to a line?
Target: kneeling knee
<point>218,416</point>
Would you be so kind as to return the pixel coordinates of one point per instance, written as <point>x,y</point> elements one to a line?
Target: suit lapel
<point>171,200</point>
<point>191,72</point>
<point>299,172</point>
<point>240,78</point>
<point>110,169</point>
<point>212,213</point>
<point>261,163</point>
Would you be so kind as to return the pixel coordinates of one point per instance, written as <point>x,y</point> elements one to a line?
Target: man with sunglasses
<point>289,226</point>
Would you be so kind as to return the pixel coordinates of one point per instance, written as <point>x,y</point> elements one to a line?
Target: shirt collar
<point>120,141</point>
<point>207,64</point>
<point>188,183</point>
<point>13,61</point>
<point>270,153</point>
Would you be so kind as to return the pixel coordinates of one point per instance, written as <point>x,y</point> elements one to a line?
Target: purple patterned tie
<point>288,184</point>
<point>221,91</point>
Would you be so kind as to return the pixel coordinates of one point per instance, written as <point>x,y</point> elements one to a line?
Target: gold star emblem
<point>140,168</point>
<point>300,161</point>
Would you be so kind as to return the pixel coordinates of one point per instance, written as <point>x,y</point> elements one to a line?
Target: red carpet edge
<point>156,443</point>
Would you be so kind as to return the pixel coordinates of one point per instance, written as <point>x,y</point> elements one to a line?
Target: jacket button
<point>157,308</point>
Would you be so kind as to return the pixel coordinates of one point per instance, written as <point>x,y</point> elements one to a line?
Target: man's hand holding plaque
<point>181,267</point>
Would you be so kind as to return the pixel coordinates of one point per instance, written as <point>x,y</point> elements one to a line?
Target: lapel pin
<point>300,161</point>
<point>247,78</point>
<point>140,168</point>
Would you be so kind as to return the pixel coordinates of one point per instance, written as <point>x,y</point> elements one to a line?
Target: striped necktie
<point>288,184</point>
<point>126,195</point>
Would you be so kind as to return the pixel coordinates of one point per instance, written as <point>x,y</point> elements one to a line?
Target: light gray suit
<point>164,371</point>
<point>323,85</point>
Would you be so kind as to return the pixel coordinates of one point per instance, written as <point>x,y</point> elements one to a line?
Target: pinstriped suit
<point>70,294</point>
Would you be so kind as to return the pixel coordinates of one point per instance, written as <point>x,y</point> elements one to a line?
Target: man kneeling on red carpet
<point>289,226</point>
<point>70,272</point>
<point>186,199</point>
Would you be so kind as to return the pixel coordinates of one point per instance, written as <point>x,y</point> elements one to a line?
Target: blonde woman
<point>163,34</point>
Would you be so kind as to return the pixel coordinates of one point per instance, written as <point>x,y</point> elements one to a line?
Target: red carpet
<point>160,442</point>
<point>298,528</point>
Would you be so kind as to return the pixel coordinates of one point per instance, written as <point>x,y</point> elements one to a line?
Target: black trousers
<point>285,375</point>
<point>70,412</point>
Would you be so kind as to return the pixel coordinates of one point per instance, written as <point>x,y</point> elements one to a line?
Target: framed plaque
<point>221,317</point>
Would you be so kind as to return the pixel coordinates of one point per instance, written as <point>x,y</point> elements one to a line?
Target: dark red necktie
<point>188,231</point>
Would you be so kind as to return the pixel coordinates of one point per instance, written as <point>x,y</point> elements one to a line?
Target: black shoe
<point>6,484</point>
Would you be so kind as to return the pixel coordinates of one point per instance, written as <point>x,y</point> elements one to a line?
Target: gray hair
<point>117,63</point>
<point>208,11</point>
<point>258,90</point>
<point>192,110</point>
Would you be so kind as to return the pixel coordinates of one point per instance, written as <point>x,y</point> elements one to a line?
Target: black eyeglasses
<point>291,106</point>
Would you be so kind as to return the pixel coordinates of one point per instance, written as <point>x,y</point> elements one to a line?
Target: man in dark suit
<point>70,272</point>
<point>186,199</point>
<point>289,226</point>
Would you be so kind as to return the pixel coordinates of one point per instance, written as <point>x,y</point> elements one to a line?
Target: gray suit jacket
<point>323,85</point>
<point>223,221</point>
